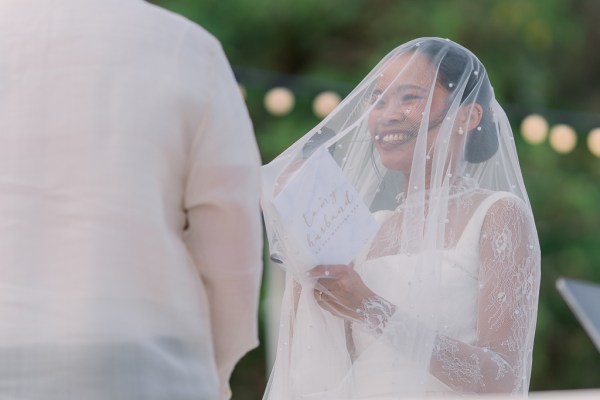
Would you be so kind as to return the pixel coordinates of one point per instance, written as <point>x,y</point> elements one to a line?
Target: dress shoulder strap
<point>472,229</point>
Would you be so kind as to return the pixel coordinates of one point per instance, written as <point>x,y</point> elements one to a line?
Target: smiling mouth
<point>395,138</point>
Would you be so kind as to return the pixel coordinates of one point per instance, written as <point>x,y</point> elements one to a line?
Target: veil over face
<point>452,266</point>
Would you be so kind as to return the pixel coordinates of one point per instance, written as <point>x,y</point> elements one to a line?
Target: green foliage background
<point>542,56</point>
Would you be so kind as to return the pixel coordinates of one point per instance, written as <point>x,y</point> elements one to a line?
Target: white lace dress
<point>485,306</point>
<point>484,312</point>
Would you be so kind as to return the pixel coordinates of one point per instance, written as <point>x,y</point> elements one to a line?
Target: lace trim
<point>458,368</point>
<point>375,314</point>
<point>459,186</point>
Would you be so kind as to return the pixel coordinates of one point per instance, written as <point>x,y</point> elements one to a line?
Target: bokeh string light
<point>563,138</point>
<point>593,142</point>
<point>280,100</point>
<point>534,129</point>
<point>325,102</point>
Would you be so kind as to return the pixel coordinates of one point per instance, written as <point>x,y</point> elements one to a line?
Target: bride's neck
<point>427,183</point>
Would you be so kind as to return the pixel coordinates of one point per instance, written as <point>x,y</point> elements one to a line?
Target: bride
<point>442,298</point>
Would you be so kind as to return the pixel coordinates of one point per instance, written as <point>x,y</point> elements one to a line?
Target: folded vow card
<point>322,214</point>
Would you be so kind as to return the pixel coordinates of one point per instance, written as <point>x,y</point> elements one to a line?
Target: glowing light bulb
<point>279,101</point>
<point>534,129</point>
<point>593,141</point>
<point>325,102</point>
<point>563,138</point>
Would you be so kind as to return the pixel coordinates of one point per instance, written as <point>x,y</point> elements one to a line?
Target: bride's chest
<point>454,285</point>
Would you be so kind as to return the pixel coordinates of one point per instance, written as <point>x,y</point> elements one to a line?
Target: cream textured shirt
<point>130,236</point>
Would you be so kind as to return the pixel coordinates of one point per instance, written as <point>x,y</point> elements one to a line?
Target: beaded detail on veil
<point>443,296</point>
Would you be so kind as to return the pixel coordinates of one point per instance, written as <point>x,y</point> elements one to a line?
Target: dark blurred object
<point>323,135</point>
<point>584,300</point>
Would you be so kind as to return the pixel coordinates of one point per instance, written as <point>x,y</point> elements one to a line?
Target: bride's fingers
<point>325,293</point>
<point>326,271</point>
<point>330,306</point>
<point>320,271</point>
<point>330,285</point>
<point>324,296</point>
<point>332,303</point>
<point>318,294</point>
<point>337,309</point>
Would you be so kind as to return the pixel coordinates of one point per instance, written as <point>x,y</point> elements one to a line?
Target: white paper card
<point>323,214</point>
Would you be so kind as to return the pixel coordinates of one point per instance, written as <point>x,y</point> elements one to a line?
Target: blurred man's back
<point>129,227</point>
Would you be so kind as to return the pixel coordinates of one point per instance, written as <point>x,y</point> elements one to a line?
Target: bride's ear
<point>471,115</point>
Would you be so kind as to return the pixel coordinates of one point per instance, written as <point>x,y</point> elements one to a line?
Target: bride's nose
<point>394,112</point>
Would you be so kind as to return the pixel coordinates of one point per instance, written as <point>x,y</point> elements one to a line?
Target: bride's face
<point>400,99</point>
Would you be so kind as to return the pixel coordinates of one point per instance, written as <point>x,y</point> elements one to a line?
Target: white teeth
<point>395,137</point>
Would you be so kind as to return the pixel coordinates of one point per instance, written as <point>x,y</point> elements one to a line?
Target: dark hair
<point>316,140</point>
<point>455,61</point>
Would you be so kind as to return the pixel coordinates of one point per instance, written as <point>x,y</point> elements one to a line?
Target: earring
<point>460,130</point>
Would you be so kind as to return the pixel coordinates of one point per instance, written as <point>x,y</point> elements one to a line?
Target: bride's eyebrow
<point>400,88</point>
<point>403,88</point>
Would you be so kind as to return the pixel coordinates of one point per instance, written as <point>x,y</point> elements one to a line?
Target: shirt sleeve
<point>224,234</point>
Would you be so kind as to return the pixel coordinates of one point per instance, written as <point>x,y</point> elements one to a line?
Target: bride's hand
<point>341,291</point>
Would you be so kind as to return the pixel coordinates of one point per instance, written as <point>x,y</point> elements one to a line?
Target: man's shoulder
<point>166,19</point>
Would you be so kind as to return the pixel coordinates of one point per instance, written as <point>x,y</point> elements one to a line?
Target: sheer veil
<point>453,264</point>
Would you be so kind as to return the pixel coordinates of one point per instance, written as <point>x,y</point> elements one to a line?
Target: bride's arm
<point>500,359</point>
<point>509,278</point>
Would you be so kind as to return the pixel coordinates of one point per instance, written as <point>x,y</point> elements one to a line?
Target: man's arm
<point>225,233</point>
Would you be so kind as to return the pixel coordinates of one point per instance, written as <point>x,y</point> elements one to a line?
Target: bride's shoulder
<point>501,206</point>
<point>496,199</point>
<point>485,204</point>
<point>502,199</point>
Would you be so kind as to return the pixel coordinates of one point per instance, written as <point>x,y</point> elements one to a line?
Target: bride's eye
<point>376,99</point>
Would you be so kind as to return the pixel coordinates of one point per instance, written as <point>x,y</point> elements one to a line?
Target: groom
<point>130,235</point>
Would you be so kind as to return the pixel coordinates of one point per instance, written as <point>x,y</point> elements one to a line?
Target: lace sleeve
<point>500,360</point>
